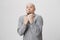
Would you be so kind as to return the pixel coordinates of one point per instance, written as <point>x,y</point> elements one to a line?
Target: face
<point>30,8</point>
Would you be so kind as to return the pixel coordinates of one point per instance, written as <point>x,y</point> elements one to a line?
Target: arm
<point>21,27</point>
<point>39,23</point>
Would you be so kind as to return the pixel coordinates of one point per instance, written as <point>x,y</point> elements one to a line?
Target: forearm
<point>21,29</point>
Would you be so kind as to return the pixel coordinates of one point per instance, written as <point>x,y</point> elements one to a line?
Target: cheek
<point>26,9</point>
<point>32,10</point>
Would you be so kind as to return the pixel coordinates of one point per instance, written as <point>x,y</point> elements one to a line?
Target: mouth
<point>28,13</point>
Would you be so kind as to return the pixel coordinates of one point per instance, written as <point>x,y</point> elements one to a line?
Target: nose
<point>28,8</point>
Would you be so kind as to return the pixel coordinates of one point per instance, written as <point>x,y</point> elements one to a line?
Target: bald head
<point>30,8</point>
<point>31,4</point>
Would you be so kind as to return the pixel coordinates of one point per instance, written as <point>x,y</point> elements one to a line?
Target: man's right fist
<point>25,20</point>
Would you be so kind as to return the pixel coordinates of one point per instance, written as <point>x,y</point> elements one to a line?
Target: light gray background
<point>10,10</point>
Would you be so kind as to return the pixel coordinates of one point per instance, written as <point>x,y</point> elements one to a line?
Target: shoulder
<point>38,16</point>
<point>21,17</point>
<point>39,19</point>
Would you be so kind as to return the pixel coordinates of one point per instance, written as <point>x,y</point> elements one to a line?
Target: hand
<point>31,18</point>
<point>25,20</point>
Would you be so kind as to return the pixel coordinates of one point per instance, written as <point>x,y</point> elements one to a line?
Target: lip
<point>28,13</point>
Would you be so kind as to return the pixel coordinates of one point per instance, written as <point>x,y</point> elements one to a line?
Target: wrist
<point>32,22</point>
<point>24,24</point>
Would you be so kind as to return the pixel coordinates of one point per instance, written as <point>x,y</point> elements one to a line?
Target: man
<point>30,25</point>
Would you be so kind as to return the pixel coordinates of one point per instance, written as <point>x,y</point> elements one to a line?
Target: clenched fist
<point>31,18</point>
